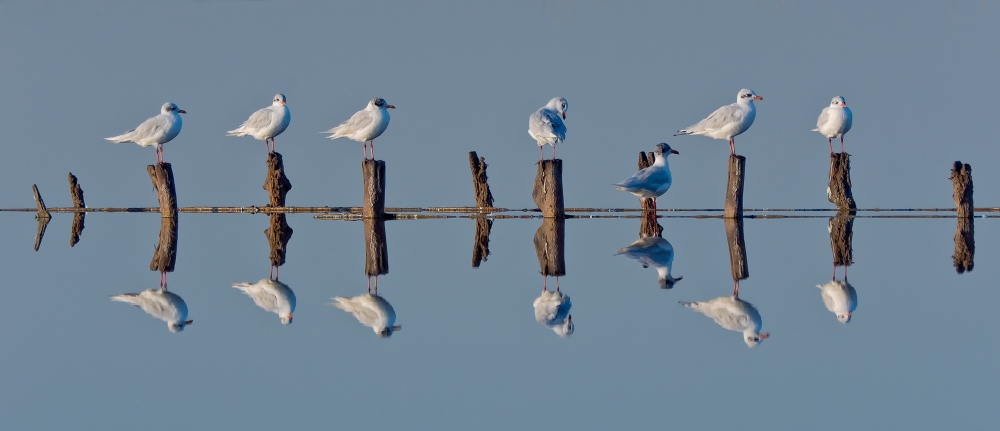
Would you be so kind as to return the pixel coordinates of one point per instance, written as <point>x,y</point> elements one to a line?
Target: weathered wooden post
<point>839,191</point>
<point>841,238</point>
<point>548,191</point>
<point>737,249</point>
<point>484,198</point>
<point>550,245</point>
<point>376,252</point>
<point>374,183</point>
<point>278,233</point>
<point>965,241</point>
<point>481,248</point>
<point>42,216</point>
<point>646,160</point>
<point>649,227</point>
<point>163,182</point>
<point>76,193</point>
<point>276,183</point>
<point>734,189</point>
<point>165,254</point>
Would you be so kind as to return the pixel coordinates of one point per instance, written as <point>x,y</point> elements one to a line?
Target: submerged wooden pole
<point>165,254</point>
<point>842,238</point>
<point>376,252</point>
<point>965,241</point>
<point>278,233</point>
<point>734,188</point>
<point>550,246</point>
<point>737,249</point>
<point>76,193</point>
<point>481,248</point>
<point>839,191</point>
<point>548,190</point>
<point>276,183</point>
<point>374,183</point>
<point>484,198</point>
<point>163,182</point>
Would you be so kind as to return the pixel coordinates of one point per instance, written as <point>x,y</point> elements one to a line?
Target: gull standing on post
<point>266,123</point>
<point>546,126</point>
<point>727,121</point>
<point>160,304</point>
<point>155,131</point>
<point>734,314</point>
<point>271,295</point>
<point>654,181</point>
<point>834,122</point>
<point>365,125</point>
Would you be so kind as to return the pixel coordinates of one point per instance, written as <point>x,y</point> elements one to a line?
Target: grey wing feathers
<point>722,116</point>
<point>258,120</point>
<point>358,121</point>
<point>823,116</point>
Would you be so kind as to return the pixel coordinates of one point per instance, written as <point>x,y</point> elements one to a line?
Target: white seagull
<point>656,252</point>
<point>271,295</point>
<point>653,181</point>
<point>834,122</point>
<point>155,131</point>
<point>546,127</point>
<point>727,121</point>
<point>266,123</point>
<point>840,298</point>
<point>365,125</point>
<point>552,310</point>
<point>160,304</point>
<point>370,310</point>
<point>733,314</point>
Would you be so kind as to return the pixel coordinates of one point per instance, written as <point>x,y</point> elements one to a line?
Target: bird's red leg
<point>540,156</point>
<point>373,158</point>
<point>830,141</point>
<point>736,288</point>
<point>376,277</point>
<point>732,147</point>
<point>553,152</point>
<point>557,283</point>
<point>545,280</point>
<point>841,144</point>
<point>369,278</point>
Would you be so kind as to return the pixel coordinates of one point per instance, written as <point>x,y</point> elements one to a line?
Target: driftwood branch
<point>484,198</point>
<point>40,204</point>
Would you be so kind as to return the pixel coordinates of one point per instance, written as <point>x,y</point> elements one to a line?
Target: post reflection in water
<point>371,309</point>
<point>731,312</point>
<point>965,245</point>
<point>160,303</point>
<point>652,250</point>
<point>552,307</point>
<point>839,297</point>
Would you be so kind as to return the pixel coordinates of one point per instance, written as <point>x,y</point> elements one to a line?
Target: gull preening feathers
<point>727,121</point>
<point>271,295</point>
<point>155,131</point>
<point>840,298</point>
<point>546,125</point>
<point>552,310</point>
<point>365,125</point>
<point>656,252</point>
<point>734,314</point>
<point>653,181</point>
<point>160,304</point>
<point>266,123</point>
<point>370,310</point>
<point>834,122</point>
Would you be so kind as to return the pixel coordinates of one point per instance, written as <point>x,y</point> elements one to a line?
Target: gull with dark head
<point>365,125</point>
<point>734,314</point>
<point>727,121</point>
<point>160,304</point>
<point>654,181</point>
<point>834,122</point>
<point>155,131</point>
<point>546,125</point>
<point>266,123</point>
<point>271,295</point>
<point>370,310</point>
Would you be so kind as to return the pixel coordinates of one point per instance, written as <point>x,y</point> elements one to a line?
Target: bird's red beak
<point>390,107</point>
<point>282,102</point>
<point>843,105</point>
<point>564,115</point>
<point>765,335</point>
<point>758,98</point>
<point>188,322</point>
<point>181,111</point>
<point>848,315</point>
<point>674,152</point>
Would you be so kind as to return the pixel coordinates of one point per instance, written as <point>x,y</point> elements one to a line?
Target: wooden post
<point>737,248</point>
<point>165,254</point>
<point>42,216</point>
<point>481,249</point>
<point>43,222</point>
<point>646,160</point>
<point>961,180</point>
<point>374,183</point>
<point>649,227</point>
<point>376,252</point>
<point>163,182</point>
<point>484,198</point>
<point>839,191</point>
<point>965,245</point>
<point>842,237</point>
<point>76,192</point>
<point>548,190</point>
<point>278,233</point>
<point>734,189</point>
<point>276,184</point>
<point>550,245</point>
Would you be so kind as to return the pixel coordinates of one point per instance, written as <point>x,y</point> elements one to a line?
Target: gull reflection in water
<point>160,304</point>
<point>552,310</point>
<point>370,310</point>
<point>734,314</point>
<point>656,252</point>
<point>840,298</point>
<point>272,296</point>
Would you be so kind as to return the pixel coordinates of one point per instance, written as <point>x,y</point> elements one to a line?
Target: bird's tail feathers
<point>815,130</point>
<point>688,304</point>
<point>342,303</point>
<point>683,132</point>
<point>122,138</point>
<point>128,298</point>
<point>236,132</point>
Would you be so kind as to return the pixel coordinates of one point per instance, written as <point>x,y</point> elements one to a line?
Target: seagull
<point>552,310</point>
<point>365,125</point>
<point>656,252</point>
<point>370,310</point>
<point>727,121</point>
<point>155,131</point>
<point>734,314</point>
<point>160,304</point>
<point>546,126</point>
<point>834,122</point>
<point>266,123</point>
<point>840,298</point>
<point>651,182</point>
<point>271,295</point>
